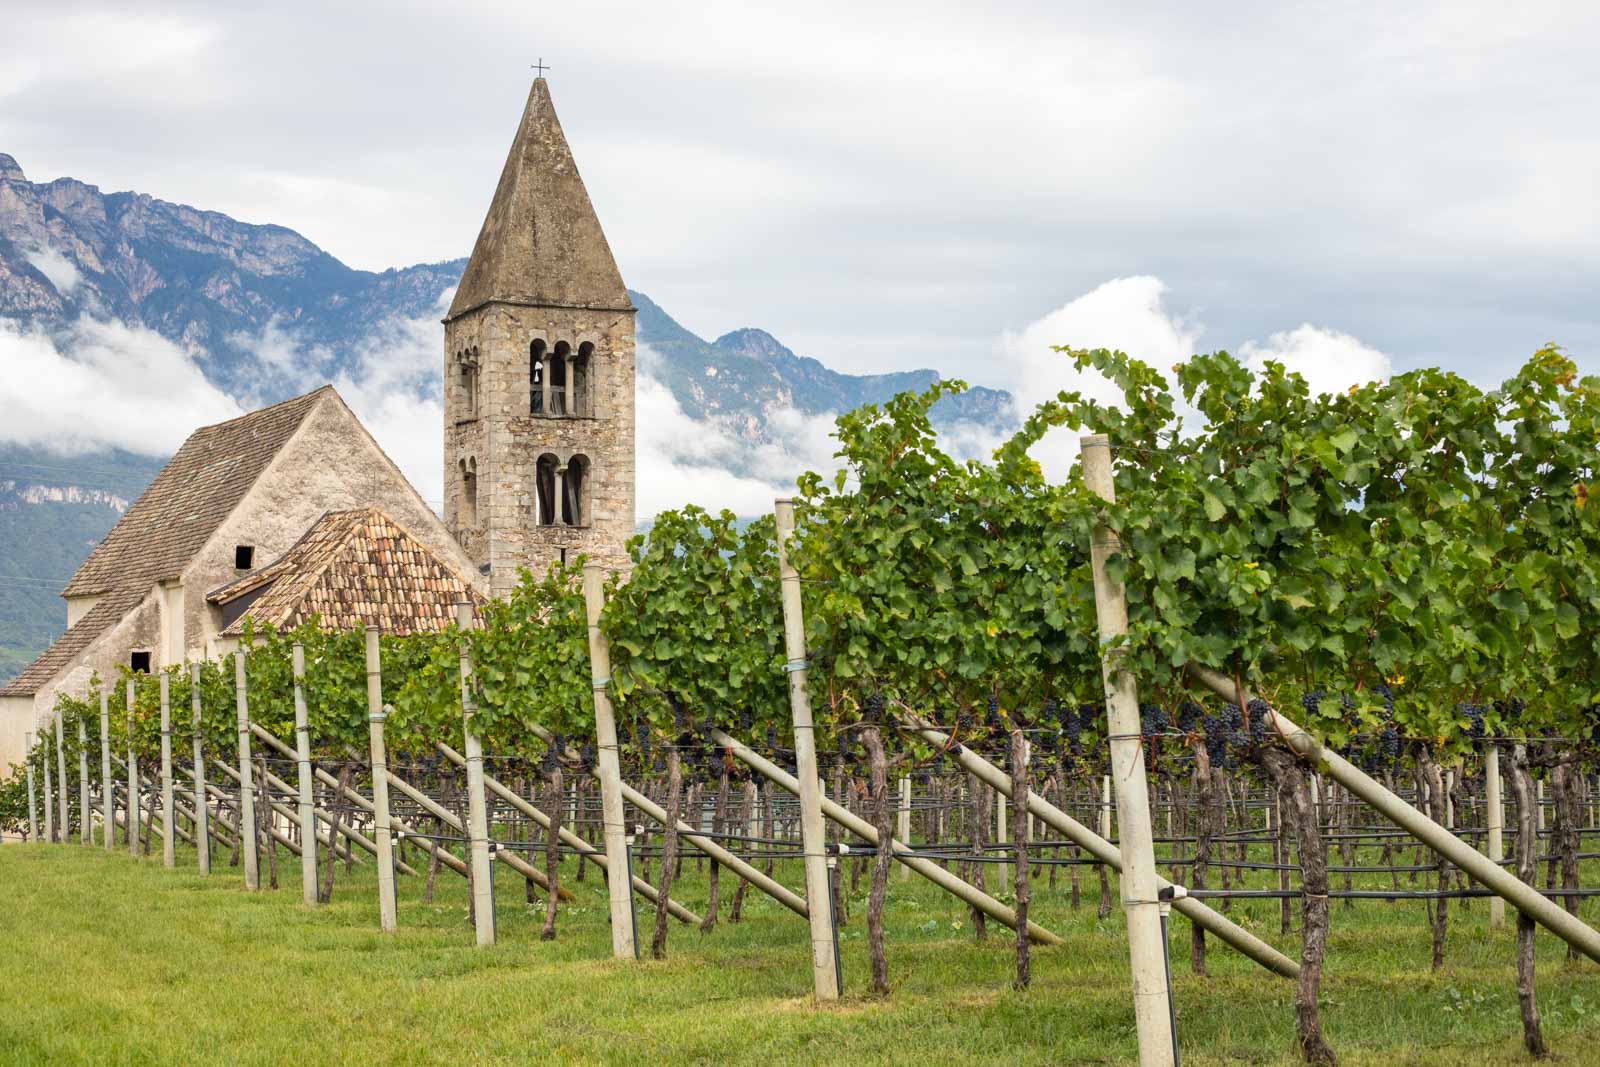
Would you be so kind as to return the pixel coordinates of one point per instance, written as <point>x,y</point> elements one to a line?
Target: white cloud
<point>1328,360</point>
<point>1131,315</point>
<point>61,271</point>
<point>102,385</point>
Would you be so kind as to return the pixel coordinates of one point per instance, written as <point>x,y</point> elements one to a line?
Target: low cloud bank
<point>100,385</point>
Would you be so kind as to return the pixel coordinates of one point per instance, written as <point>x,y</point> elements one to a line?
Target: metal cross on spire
<point>540,67</point>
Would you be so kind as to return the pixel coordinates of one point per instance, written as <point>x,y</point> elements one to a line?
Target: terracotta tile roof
<point>158,536</point>
<point>353,569</point>
<point>59,656</point>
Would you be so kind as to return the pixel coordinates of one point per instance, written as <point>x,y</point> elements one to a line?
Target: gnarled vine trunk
<point>552,855</point>
<point>1203,823</point>
<point>1019,837</point>
<point>882,821</point>
<point>1528,870</point>
<point>1296,806</point>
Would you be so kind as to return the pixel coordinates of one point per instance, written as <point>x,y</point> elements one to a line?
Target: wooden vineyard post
<point>1105,806</point>
<point>169,834</point>
<point>33,806</point>
<point>62,784</point>
<point>624,934</point>
<point>247,791</point>
<point>308,809</point>
<point>85,829</point>
<point>477,803</point>
<point>131,800</point>
<point>1497,822</point>
<point>388,918</point>
<point>108,790</point>
<point>1147,947</point>
<point>49,791</point>
<point>202,813</point>
<point>903,829</point>
<point>813,843</point>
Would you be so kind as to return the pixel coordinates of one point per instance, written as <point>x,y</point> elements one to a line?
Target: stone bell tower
<point>539,364</point>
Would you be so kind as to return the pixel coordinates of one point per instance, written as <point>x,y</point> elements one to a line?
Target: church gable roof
<point>541,243</point>
<point>352,569</point>
<point>186,503</point>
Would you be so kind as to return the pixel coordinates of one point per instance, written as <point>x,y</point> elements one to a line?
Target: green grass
<point>110,960</point>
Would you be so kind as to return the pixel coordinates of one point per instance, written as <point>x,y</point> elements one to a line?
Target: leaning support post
<point>624,922</point>
<point>1103,850</point>
<point>202,814</point>
<point>1147,946</point>
<point>131,801</point>
<point>62,784</point>
<point>477,814</point>
<point>308,806</point>
<point>863,829</point>
<point>1497,822</point>
<point>695,835</point>
<point>568,838</point>
<point>1532,903</point>
<point>33,804</point>
<point>388,917</point>
<point>85,833</point>
<point>813,844</point>
<point>108,791</point>
<point>169,843</point>
<point>247,797</point>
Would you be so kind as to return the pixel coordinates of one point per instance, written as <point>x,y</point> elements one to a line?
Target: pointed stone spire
<point>541,243</point>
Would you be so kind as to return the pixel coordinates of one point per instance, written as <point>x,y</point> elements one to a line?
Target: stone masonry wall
<point>506,440</point>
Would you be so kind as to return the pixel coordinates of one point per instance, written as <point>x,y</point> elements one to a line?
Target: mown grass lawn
<point>106,959</point>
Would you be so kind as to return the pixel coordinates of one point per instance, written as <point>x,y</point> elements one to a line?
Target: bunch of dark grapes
<point>872,710</point>
<point>557,743</point>
<point>746,723</point>
<point>1072,723</point>
<point>1313,700</point>
<point>964,720</point>
<point>1219,735</point>
<point>992,721</point>
<point>1389,742</point>
<point>1189,716</point>
<point>1474,714</point>
<point>586,755</point>
<point>1260,716</point>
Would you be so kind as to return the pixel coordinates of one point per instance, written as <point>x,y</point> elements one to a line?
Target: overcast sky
<point>1354,190</point>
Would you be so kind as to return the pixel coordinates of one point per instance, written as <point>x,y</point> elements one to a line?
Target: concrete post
<point>247,797</point>
<point>388,918</point>
<point>1105,806</point>
<point>62,784</point>
<point>904,827</point>
<point>813,843</point>
<point>624,935</point>
<point>308,806</point>
<point>85,829</point>
<point>1147,947</point>
<point>477,814</point>
<point>49,792</point>
<point>169,843</point>
<point>108,790</point>
<point>131,823</point>
<point>202,813</point>
<point>33,806</point>
<point>1497,822</point>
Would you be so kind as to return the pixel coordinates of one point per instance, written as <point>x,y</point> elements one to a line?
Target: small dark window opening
<point>244,557</point>
<point>545,485</point>
<point>536,377</point>
<point>558,380</point>
<point>139,662</point>
<point>572,498</point>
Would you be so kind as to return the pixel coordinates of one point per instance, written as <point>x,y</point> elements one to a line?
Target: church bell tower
<point>539,366</point>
